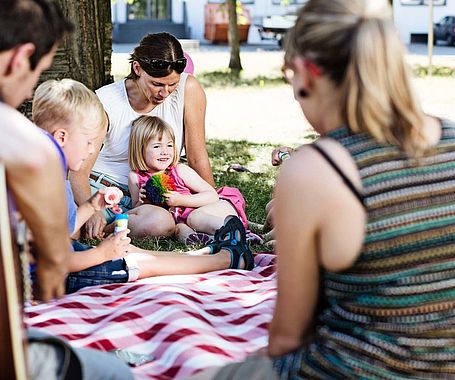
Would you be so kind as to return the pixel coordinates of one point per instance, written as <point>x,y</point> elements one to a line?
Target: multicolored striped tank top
<point>392,314</point>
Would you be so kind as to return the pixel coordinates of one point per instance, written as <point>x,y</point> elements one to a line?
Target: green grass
<point>437,71</point>
<point>228,78</point>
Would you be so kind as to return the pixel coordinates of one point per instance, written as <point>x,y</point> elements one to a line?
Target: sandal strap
<point>238,252</point>
<point>216,246</point>
<point>232,232</point>
<point>232,224</point>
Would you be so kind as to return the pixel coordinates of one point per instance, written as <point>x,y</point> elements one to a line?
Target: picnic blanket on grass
<point>187,323</point>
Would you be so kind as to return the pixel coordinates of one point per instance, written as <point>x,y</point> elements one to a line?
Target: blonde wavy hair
<point>144,129</point>
<point>355,43</point>
<point>60,101</point>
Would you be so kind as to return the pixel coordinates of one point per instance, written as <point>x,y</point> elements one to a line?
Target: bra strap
<point>343,176</point>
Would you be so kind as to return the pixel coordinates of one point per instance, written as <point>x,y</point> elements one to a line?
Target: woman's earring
<point>303,93</point>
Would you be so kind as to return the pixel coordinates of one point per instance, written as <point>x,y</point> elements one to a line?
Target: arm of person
<point>134,189</point>
<point>194,121</point>
<point>276,159</point>
<point>306,239</point>
<point>95,203</point>
<point>203,193</point>
<point>113,247</point>
<point>81,189</point>
<point>37,183</point>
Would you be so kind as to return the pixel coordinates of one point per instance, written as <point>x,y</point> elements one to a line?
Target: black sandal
<point>230,233</point>
<point>240,251</point>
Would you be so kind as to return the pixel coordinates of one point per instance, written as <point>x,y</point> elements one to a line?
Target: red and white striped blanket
<point>187,322</point>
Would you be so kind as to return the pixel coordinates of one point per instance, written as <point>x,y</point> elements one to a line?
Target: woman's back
<point>391,314</point>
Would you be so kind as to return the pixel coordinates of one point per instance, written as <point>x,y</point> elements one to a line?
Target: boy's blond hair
<point>143,130</point>
<point>60,101</point>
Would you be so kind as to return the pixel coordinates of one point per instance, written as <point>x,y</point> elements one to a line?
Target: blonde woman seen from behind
<point>365,285</point>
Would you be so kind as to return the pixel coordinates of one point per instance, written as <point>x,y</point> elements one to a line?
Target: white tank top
<point>113,158</point>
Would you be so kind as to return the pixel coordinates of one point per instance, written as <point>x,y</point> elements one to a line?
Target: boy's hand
<point>173,198</point>
<point>97,200</point>
<point>95,225</point>
<point>116,246</point>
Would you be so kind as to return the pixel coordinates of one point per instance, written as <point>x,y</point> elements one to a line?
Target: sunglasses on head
<point>159,64</point>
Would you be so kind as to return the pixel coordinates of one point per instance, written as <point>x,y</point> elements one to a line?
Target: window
<point>149,10</point>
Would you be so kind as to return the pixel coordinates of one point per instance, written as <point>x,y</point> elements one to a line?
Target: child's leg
<point>211,217</point>
<point>187,235</point>
<point>148,220</point>
<point>152,264</point>
<point>182,231</point>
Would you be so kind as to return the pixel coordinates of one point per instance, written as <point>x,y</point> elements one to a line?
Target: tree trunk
<point>233,37</point>
<point>85,55</point>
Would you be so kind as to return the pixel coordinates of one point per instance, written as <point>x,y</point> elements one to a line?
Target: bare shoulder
<point>132,178</point>
<point>323,202</point>
<point>342,158</point>
<point>192,84</point>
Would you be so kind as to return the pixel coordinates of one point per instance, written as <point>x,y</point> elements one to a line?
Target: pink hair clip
<point>311,66</point>
<point>112,197</point>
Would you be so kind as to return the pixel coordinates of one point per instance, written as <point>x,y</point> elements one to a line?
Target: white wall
<point>195,14</point>
<point>177,11</point>
<point>118,10</point>
<point>414,18</point>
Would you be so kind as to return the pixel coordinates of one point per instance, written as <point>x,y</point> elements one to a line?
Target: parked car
<point>275,27</point>
<point>444,30</point>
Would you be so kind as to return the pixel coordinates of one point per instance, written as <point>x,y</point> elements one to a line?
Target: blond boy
<point>74,117</point>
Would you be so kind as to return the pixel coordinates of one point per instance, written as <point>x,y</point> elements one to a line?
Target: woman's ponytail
<point>356,45</point>
<point>377,94</point>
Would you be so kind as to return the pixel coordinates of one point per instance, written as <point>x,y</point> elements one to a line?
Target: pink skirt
<point>230,194</point>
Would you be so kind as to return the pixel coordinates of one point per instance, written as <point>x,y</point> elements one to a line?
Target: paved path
<point>271,114</point>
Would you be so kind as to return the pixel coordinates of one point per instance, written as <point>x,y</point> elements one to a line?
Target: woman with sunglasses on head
<point>156,86</point>
<point>365,216</point>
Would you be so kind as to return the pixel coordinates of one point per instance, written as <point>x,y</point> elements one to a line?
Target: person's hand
<point>95,225</point>
<point>50,282</point>
<point>115,245</point>
<point>173,198</point>
<point>97,200</point>
<point>276,159</point>
<point>143,195</point>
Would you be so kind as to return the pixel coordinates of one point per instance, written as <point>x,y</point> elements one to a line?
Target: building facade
<point>186,18</point>
<point>412,17</point>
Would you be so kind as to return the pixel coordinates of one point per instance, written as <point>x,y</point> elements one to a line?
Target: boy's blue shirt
<point>71,205</point>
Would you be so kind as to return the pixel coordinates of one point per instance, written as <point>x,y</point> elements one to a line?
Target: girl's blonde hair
<point>58,101</point>
<point>355,43</point>
<point>144,129</point>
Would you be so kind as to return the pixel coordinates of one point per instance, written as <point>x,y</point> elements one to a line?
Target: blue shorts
<point>125,203</point>
<point>110,272</point>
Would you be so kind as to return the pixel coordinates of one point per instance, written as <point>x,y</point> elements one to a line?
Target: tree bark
<point>233,37</point>
<point>85,55</point>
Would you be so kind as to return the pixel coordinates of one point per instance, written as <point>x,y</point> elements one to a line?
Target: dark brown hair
<point>156,45</point>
